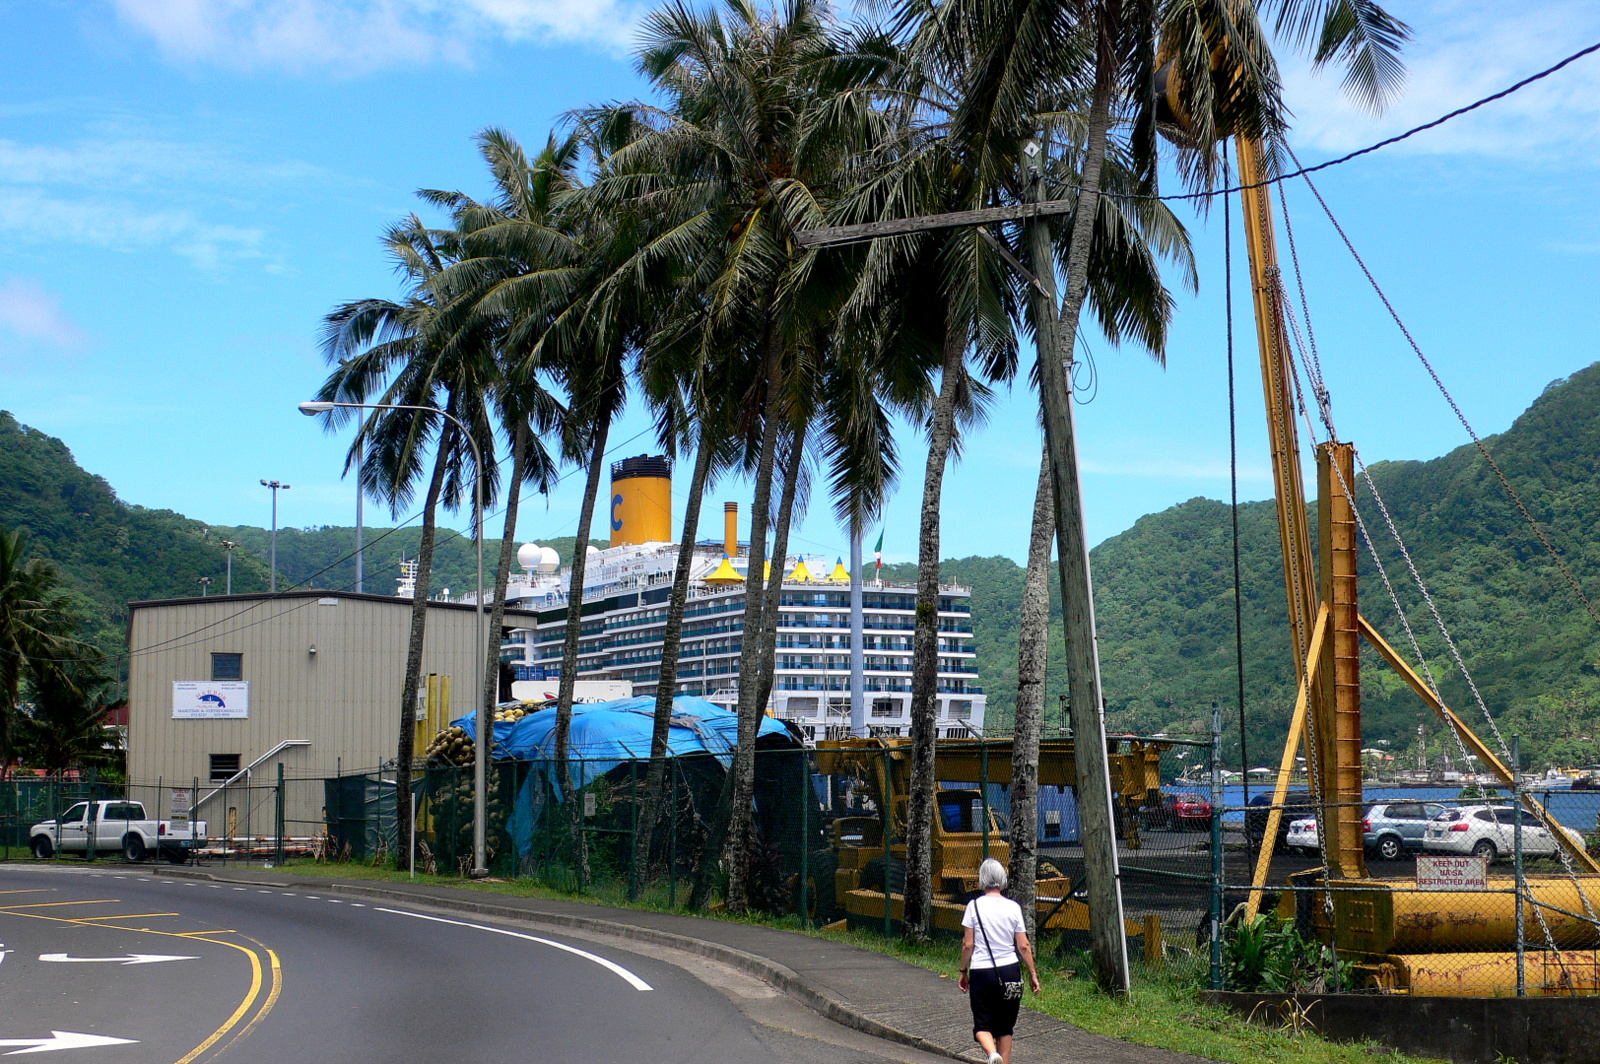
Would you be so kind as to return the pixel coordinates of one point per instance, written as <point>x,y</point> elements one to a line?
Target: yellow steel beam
<point>1297,730</point>
<point>1474,745</point>
<point>1337,713</point>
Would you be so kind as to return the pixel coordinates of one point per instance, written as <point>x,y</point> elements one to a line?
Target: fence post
<point>672,845</point>
<point>888,833</point>
<point>278,851</point>
<point>1216,845</point>
<point>805,834</point>
<point>633,837</point>
<point>983,789</point>
<point>1516,846</point>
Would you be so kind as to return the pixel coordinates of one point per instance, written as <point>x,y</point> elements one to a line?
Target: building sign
<point>1452,873</point>
<point>210,699</point>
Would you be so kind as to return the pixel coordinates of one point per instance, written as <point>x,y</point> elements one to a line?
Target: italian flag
<point>877,554</point>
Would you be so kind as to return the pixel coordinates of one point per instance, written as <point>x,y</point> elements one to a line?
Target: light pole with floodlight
<point>272,576</point>
<point>485,735</point>
<point>228,545</point>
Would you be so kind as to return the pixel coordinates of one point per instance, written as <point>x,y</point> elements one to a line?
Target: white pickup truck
<point>109,826</point>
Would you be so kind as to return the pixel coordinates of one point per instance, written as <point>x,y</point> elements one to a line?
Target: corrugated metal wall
<point>345,698</point>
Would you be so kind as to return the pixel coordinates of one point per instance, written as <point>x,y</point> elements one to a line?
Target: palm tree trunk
<point>736,845</point>
<point>780,554</point>
<point>569,650</point>
<point>405,750</point>
<point>671,641</point>
<point>502,572</point>
<point>1033,652</point>
<point>925,648</point>
<point>1108,943</point>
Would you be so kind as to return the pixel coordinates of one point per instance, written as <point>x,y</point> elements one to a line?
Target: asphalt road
<point>263,975</point>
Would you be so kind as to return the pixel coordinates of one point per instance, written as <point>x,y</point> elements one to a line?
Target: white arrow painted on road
<point>62,1040</point>
<point>132,958</point>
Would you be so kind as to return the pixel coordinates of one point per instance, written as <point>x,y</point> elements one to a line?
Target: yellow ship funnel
<point>801,573</point>
<point>641,500</point>
<point>724,574</point>
<point>730,529</point>
<point>840,574</point>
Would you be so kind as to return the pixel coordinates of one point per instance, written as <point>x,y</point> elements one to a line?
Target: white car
<point>109,826</point>
<point>1489,831</point>
<point>1302,837</point>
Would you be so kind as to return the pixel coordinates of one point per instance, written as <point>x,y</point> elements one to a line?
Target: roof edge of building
<point>356,596</point>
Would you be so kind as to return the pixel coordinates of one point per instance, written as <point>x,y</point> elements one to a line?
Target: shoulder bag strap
<point>977,914</point>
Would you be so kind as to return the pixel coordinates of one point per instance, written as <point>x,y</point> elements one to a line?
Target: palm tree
<point>729,169</point>
<point>1033,649</point>
<point>37,629</point>
<point>404,353</point>
<point>65,724</point>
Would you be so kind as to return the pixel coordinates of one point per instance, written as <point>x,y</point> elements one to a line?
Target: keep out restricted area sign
<point>1452,873</point>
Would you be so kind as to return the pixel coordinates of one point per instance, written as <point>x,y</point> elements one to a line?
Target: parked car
<point>1296,806</point>
<point>1302,836</point>
<point>109,826</point>
<point>1187,811</point>
<point>1392,829</point>
<point>1489,831</point>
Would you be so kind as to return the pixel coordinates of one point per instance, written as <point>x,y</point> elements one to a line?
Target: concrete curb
<point>779,975</point>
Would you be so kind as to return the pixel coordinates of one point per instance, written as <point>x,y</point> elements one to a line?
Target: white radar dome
<point>549,560</point>
<point>528,556</point>
<point>593,550</point>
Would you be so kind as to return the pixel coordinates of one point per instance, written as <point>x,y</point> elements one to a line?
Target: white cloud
<point>352,37</point>
<point>29,312</point>
<point>34,214</point>
<point>1464,50</point>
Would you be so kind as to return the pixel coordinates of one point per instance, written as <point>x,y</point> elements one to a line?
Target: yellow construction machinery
<point>1399,938</point>
<point>867,875</point>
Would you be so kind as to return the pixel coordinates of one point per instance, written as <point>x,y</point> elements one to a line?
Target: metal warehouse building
<point>232,684</point>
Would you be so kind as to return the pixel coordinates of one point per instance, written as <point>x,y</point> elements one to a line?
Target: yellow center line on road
<point>123,916</point>
<point>50,904</point>
<point>250,996</point>
<point>30,890</point>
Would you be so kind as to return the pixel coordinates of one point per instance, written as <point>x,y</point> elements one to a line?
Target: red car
<point>1180,812</point>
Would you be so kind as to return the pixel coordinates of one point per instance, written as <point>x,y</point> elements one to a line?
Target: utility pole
<point>228,545</point>
<point>205,585</point>
<point>272,575</point>
<point>361,491</point>
<point>1107,930</point>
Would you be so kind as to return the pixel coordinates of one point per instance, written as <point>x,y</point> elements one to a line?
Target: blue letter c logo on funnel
<point>616,522</point>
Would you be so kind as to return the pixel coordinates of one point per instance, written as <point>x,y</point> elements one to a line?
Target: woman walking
<point>994,937</point>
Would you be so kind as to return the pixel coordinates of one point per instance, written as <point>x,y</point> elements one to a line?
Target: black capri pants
<point>992,1011</point>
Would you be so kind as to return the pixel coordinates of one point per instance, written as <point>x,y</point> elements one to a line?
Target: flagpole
<point>858,652</point>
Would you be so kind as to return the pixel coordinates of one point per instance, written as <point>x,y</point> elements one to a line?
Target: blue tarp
<point>605,735</point>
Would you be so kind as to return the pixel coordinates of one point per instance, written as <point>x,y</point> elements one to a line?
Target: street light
<point>205,585</point>
<point>272,576</point>
<point>228,545</point>
<point>480,760</point>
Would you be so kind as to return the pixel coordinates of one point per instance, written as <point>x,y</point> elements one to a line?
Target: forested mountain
<point>1164,588</point>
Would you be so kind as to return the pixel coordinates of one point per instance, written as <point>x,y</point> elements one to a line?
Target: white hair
<point>992,875</point>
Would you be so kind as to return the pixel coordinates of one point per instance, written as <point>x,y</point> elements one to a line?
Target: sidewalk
<point>859,988</point>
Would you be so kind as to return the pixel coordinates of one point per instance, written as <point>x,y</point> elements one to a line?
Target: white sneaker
<point>996,1058</point>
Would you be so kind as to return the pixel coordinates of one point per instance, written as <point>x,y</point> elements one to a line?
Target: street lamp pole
<point>272,575</point>
<point>228,545</point>
<point>480,760</point>
<point>205,585</point>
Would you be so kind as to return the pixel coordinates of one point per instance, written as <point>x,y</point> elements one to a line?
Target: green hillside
<point>1164,588</point>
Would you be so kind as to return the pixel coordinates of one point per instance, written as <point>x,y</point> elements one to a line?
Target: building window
<point>961,709</point>
<point>224,766</point>
<point>227,666</point>
<point>885,707</point>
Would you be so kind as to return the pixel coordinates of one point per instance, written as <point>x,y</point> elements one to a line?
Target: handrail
<point>247,770</point>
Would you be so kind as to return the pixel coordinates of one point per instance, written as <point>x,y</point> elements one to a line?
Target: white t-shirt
<point>1002,922</point>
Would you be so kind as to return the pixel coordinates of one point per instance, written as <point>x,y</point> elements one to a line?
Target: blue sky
<point>187,186</point>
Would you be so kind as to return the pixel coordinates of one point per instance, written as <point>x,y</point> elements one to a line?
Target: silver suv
<point>1392,829</point>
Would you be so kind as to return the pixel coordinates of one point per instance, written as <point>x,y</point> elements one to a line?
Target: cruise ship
<point>628,584</point>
